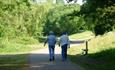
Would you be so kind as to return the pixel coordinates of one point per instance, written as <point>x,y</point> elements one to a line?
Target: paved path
<point>38,60</point>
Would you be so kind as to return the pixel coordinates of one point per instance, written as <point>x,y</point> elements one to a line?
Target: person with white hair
<point>51,40</point>
<point>65,43</point>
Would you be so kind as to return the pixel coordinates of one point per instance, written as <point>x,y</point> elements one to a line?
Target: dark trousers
<point>51,52</point>
<point>64,52</point>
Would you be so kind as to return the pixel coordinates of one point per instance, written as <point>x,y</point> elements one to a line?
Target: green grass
<point>13,52</point>
<point>101,52</point>
<point>18,45</point>
<point>83,35</point>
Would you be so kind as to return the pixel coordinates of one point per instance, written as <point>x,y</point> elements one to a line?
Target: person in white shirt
<point>64,42</point>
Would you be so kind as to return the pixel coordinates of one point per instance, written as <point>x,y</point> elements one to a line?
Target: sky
<point>78,1</point>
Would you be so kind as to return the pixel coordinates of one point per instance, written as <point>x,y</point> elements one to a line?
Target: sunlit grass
<point>18,45</point>
<point>83,35</point>
<point>104,42</point>
<point>101,50</point>
<point>96,44</point>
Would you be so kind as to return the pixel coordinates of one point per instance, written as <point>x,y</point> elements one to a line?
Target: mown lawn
<point>101,52</point>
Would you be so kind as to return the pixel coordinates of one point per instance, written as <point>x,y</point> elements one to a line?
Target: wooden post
<point>86,52</point>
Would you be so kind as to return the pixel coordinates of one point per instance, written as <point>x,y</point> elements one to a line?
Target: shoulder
<point>61,36</point>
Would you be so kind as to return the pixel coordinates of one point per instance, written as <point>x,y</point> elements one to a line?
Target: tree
<point>99,15</point>
<point>59,20</point>
<point>71,1</point>
<point>20,18</point>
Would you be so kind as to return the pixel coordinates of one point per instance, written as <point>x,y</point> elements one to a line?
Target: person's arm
<point>45,42</point>
<point>55,40</point>
<point>68,43</point>
<point>59,42</point>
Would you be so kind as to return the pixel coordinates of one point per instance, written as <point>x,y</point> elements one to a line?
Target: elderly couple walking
<point>63,42</point>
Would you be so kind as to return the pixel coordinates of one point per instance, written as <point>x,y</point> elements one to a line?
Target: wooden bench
<point>85,50</point>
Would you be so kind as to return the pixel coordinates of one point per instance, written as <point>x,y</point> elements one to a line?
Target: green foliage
<point>58,20</point>
<point>101,51</point>
<point>20,18</point>
<point>60,1</point>
<point>20,23</point>
<point>99,15</point>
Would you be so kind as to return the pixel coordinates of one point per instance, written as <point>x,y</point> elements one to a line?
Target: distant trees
<point>59,20</point>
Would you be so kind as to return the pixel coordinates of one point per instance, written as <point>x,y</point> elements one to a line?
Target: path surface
<point>38,60</point>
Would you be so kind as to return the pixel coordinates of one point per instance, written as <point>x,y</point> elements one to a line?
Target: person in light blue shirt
<point>64,42</point>
<point>51,40</point>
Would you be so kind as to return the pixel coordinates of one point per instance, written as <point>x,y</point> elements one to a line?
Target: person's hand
<point>45,42</point>
<point>59,45</point>
<point>68,46</point>
<point>44,45</point>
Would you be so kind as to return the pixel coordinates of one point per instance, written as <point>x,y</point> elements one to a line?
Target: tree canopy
<point>20,18</point>
<point>99,15</point>
<point>58,19</point>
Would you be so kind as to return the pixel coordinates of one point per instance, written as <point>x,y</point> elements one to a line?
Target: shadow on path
<point>13,62</point>
<point>36,60</point>
<point>40,61</point>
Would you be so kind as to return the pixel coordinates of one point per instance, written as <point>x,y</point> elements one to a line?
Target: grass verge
<point>18,45</point>
<point>101,53</point>
<point>13,52</point>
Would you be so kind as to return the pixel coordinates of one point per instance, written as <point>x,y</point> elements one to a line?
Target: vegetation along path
<point>38,60</point>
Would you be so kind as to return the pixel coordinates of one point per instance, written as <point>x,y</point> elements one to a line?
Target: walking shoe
<point>53,58</point>
<point>50,59</point>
